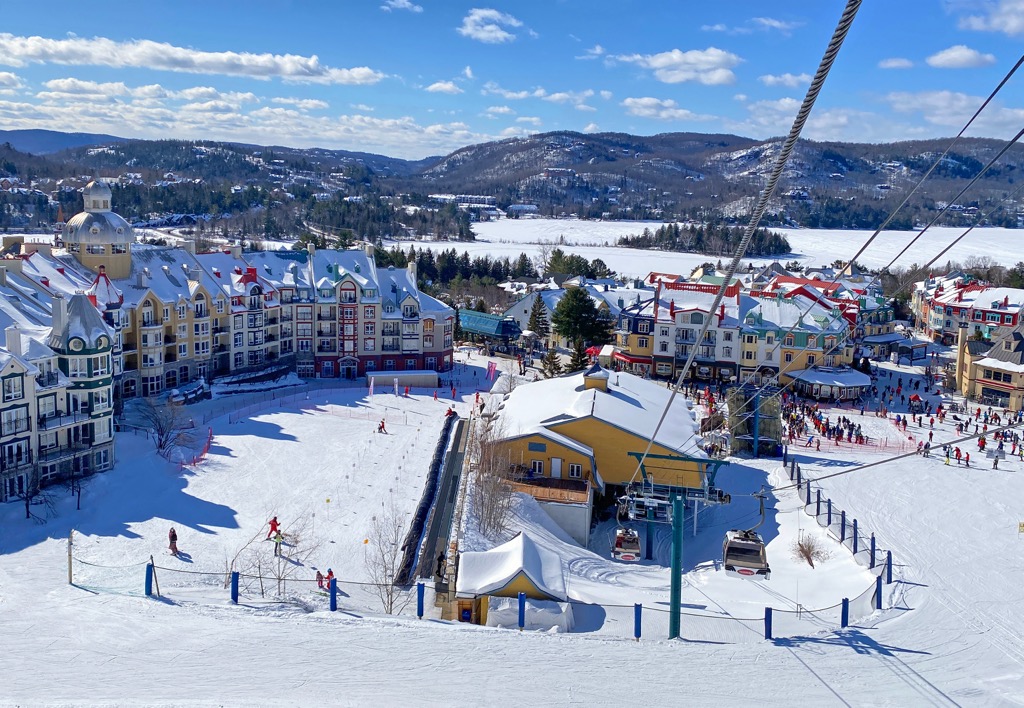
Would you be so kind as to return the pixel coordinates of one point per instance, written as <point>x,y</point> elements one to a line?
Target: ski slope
<point>953,531</point>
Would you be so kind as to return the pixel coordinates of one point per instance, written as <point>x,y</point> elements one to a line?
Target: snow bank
<point>543,615</point>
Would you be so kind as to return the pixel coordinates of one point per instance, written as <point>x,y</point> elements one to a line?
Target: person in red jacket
<point>172,537</point>
<point>274,528</point>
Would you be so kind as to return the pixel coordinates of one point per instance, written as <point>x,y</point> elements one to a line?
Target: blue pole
<point>828,518</point>
<point>149,580</point>
<point>842,526</point>
<point>675,596</point>
<point>888,567</point>
<point>872,564</point>
<point>522,611</point>
<point>792,468</point>
<point>817,511</point>
<point>234,587</point>
<point>855,537</point>
<point>808,493</point>
<point>845,620</point>
<point>650,534</point>
<point>767,623</point>
<point>334,594</point>
<point>420,591</point>
<point>798,476</point>
<point>878,592</point>
<point>638,611</point>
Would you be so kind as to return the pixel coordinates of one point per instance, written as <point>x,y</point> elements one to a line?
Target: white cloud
<point>67,88</point>
<point>362,107</point>
<point>443,87</point>
<point>303,104</point>
<point>574,98</point>
<point>494,111</point>
<point>488,26</point>
<point>740,97</point>
<point>770,23</point>
<point>606,95</point>
<point>960,57</point>
<point>591,128</point>
<point>147,54</point>
<point>532,120</point>
<point>951,109</point>
<point>1005,16</point>
<point>493,89</point>
<point>468,72</point>
<point>787,79</point>
<point>660,109</point>
<point>595,52</point>
<point>895,63</point>
<point>709,66</point>
<point>715,28</point>
<point>390,5</point>
<point>9,81</point>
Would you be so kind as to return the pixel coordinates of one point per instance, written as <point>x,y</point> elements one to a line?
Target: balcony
<point>63,451</point>
<point>10,463</point>
<point>685,339</point>
<point>149,324</point>
<point>271,338</point>
<point>326,348</point>
<point>271,321</point>
<point>220,348</point>
<point>169,339</point>
<point>201,314</point>
<point>50,379</point>
<point>390,348</point>
<point>220,330</point>
<point>63,420</point>
<point>287,318</point>
<point>326,333</point>
<point>325,317</point>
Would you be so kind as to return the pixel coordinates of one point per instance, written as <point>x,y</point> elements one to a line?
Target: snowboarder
<point>172,537</point>
<point>381,428</point>
<point>440,565</point>
<point>275,526</point>
<point>278,541</point>
<point>320,580</point>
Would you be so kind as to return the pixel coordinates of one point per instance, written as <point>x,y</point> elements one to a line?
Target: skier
<point>274,527</point>
<point>381,428</point>
<point>320,580</point>
<point>172,537</point>
<point>278,541</point>
<point>967,460</point>
<point>328,578</point>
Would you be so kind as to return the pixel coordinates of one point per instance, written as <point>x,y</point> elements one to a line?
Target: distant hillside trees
<point>709,239</point>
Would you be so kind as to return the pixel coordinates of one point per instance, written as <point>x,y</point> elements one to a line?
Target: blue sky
<point>412,78</point>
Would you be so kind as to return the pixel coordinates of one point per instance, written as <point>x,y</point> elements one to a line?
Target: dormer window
<point>696,318</point>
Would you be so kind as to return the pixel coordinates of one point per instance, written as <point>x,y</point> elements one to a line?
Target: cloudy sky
<point>412,78</point>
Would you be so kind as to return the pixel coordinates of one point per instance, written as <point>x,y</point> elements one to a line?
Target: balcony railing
<point>287,318</point>
<point>10,463</point>
<point>62,451</point>
<point>321,317</point>
<point>47,380</point>
<point>272,320</point>
<point>60,421</point>
<point>326,348</point>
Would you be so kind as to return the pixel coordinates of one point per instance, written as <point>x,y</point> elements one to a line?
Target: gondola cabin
<point>626,546</point>
<point>743,555</point>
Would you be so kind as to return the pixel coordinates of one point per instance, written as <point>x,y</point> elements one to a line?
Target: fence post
<point>808,493</point>
<point>842,526</point>
<point>878,592</point>
<point>798,478</point>
<point>872,564</point>
<point>522,611</point>
<point>334,594</point>
<point>792,469</point>
<point>855,537</point>
<point>149,580</point>
<point>844,621</point>
<point>817,510</point>
<point>638,611</point>
<point>420,588</point>
<point>234,586</point>
<point>767,623</point>
<point>888,567</point>
<point>828,520</point>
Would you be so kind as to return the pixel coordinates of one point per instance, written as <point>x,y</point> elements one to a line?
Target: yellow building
<point>582,427</point>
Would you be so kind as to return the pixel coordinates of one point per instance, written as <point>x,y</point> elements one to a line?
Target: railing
<point>169,339</point>
<point>321,317</point>
<point>59,421</point>
<point>15,462</point>
<point>18,425</point>
<point>47,380</point>
<point>62,451</point>
<point>287,318</point>
<point>322,348</point>
<point>272,321</point>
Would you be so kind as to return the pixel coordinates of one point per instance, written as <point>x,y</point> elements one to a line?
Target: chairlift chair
<point>626,546</point>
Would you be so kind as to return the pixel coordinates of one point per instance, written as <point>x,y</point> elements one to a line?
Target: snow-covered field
<point>955,638</point>
<point>596,239</point>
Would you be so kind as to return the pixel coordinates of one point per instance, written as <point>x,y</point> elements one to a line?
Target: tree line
<point>708,239</point>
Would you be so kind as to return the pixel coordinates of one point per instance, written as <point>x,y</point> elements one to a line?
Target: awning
<point>630,359</point>
<point>594,350</point>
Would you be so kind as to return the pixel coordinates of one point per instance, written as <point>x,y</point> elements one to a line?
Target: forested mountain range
<point>706,179</point>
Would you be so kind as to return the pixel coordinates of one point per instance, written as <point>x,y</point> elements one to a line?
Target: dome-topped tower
<point>99,237</point>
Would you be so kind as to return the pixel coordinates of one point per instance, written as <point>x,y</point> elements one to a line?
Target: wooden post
<point>71,541</point>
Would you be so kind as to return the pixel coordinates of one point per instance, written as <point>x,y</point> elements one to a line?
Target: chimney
<point>13,340</point>
<point>3,275</point>
<point>721,313</point>
<point>368,250</point>
<point>236,250</point>
<point>251,272</point>
<point>412,270</point>
<point>311,248</point>
<point>44,281</point>
<point>59,312</point>
<point>142,278</point>
<point>189,246</point>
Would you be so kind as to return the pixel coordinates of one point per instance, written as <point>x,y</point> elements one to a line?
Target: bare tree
<point>383,557</point>
<point>491,490</point>
<point>167,422</point>
<point>543,258</point>
<point>265,572</point>
<point>810,548</point>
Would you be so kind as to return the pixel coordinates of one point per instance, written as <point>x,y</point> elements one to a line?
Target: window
<point>664,331</point>
<point>238,339</point>
<point>789,357</point>
<point>182,310</point>
<point>239,359</point>
<point>96,250</point>
<point>537,467</point>
<point>183,350</point>
<point>812,341</point>
<point>101,399</point>
<point>167,313</point>
<point>369,344</point>
<point>220,306</point>
<point>790,340</point>
<point>410,364</point>
<point>769,339</point>
<point>663,346</point>
<point>727,352</point>
<point>1007,319</point>
<point>432,362</point>
<point>810,360</point>
<point>101,365</point>
<point>13,390</point>
<point>428,325</point>
<point>118,249</point>
<point>696,318</point>
<point>368,313</point>
<point>643,327</point>
<point>368,327</point>
<point>409,311</point>
<point>78,369</point>
<point>748,355</point>
<point>575,470</point>
<point>255,320</point>
<point>750,338</point>
<point>727,336</point>
<point>428,341</point>
<point>348,313</point>
<point>14,421</point>
<point>389,365</point>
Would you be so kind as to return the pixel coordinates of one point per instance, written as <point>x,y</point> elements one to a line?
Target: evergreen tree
<point>457,333</point>
<point>551,365</point>
<point>538,323</point>
<point>579,359</point>
<point>577,317</point>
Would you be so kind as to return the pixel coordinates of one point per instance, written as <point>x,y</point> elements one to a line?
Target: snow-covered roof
<point>630,403</point>
<point>487,572</point>
<point>990,363</point>
<point>831,377</point>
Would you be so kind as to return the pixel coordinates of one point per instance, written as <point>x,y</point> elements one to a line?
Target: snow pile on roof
<point>832,377</point>
<point>484,572</point>
<point>630,403</point>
